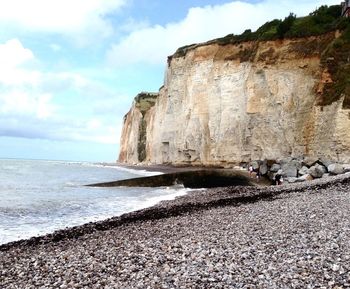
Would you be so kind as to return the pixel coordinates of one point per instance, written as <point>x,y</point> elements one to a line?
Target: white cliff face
<point>133,141</point>
<point>130,136</point>
<point>216,109</point>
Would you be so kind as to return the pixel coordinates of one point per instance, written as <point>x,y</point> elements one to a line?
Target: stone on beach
<point>306,177</point>
<point>303,171</point>
<point>263,169</point>
<point>317,171</point>
<point>275,168</point>
<point>335,169</point>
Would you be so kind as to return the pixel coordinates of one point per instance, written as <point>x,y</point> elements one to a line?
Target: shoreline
<point>290,236</point>
<point>212,197</point>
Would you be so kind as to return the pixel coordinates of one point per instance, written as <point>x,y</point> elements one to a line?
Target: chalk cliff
<point>224,104</point>
<point>137,122</point>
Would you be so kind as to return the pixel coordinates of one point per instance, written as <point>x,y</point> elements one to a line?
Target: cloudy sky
<point>69,69</point>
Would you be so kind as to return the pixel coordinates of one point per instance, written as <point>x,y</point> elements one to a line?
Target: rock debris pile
<point>298,169</point>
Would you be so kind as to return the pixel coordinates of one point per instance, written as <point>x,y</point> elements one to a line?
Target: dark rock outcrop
<point>193,179</point>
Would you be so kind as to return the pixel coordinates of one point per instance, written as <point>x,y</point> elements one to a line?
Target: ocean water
<point>39,197</point>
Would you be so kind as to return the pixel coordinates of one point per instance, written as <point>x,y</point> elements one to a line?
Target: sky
<point>69,69</point>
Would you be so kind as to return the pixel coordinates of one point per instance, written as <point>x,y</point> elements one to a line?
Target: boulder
<point>317,171</point>
<point>263,169</point>
<point>305,177</point>
<point>275,167</point>
<point>310,161</point>
<point>335,169</point>
<point>292,180</point>
<point>346,168</point>
<point>325,162</point>
<point>298,163</point>
<point>303,171</point>
<point>255,164</point>
<point>290,169</point>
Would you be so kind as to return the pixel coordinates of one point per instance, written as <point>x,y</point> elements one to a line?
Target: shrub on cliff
<point>268,31</point>
<point>285,25</point>
<point>337,61</point>
<point>321,21</point>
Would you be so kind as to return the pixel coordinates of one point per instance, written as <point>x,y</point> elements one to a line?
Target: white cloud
<point>44,107</point>
<point>50,105</point>
<point>18,83</point>
<point>153,44</point>
<point>64,16</point>
<point>102,133</point>
<point>12,53</point>
<point>22,103</point>
<point>59,128</point>
<point>13,58</point>
<point>28,114</point>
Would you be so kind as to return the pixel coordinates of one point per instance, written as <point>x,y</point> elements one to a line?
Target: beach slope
<point>293,236</point>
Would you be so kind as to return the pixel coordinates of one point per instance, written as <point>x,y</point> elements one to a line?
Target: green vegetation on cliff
<point>323,20</point>
<point>144,101</point>
<point>337,61</point>
<point>334,52</point>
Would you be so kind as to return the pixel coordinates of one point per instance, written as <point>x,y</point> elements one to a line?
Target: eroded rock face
<point>218,107</point>
<point>133,141</point>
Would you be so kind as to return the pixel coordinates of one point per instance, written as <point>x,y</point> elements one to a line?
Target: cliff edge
<point>232,102</point>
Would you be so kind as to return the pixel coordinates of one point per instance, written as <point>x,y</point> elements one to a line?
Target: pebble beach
<point>290,236</point>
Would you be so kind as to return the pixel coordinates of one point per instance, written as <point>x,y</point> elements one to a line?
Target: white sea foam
<point>142,172</point>
<point>30,223</point>
<point>136,171</point>
<point>41,196</point>
<point>162,194</point>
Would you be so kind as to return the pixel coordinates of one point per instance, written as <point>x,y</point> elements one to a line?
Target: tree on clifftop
<point>285,25</point>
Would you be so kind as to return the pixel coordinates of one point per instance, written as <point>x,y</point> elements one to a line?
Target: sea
<point>39,196</point>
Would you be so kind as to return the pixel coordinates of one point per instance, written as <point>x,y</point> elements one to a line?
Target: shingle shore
<point>293,236</point>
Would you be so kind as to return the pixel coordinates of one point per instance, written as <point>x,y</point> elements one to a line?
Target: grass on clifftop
<point>322,20</point>
<point>145,100</point>
<point>335,54</point>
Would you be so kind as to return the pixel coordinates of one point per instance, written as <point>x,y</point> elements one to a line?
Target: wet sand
<point>290,236</point>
